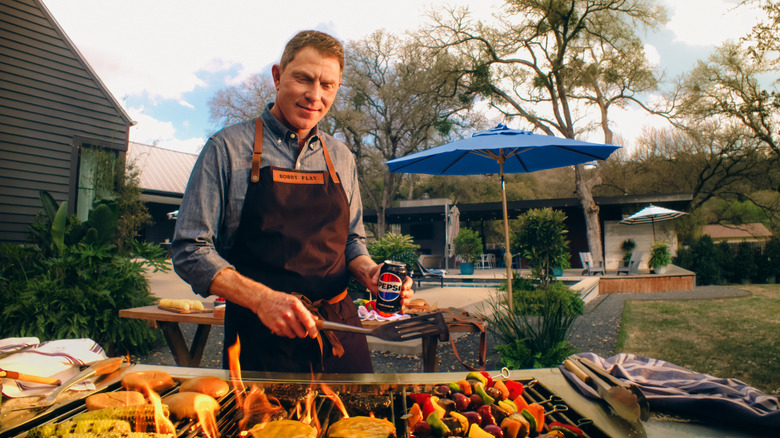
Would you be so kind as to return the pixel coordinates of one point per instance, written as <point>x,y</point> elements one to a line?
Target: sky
<point>163,60</point>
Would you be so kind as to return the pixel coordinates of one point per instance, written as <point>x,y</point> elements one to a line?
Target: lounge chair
<point>591,267</point>
<point>422,272</point>
<point>632,267</point>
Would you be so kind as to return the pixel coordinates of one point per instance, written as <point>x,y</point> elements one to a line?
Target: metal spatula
<point>401,330</point>
<point>99,368</point>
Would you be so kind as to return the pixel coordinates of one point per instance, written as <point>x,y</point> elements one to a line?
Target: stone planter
<point>467,268</point>
<point>660,269</point>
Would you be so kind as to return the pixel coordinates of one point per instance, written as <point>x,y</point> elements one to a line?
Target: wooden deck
<point>675,278</point>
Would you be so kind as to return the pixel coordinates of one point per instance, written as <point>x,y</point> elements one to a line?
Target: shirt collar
<point>280,131</point>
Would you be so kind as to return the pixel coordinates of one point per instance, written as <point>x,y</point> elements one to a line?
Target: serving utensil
<point>427,324</point>
<point>623,402</point>
<point>644,405</point>
<point>28,378</point>
<point>99,368</point>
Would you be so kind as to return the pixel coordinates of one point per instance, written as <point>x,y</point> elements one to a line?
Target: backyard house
<point>60,127</point>
<point>425,222</point>
<point>163,176</point>
<point>755,233</point>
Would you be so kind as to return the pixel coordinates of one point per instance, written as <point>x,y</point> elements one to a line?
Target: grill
<point>384,400</point>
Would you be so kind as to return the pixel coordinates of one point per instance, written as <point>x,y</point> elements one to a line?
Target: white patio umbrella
<point>651,215</point>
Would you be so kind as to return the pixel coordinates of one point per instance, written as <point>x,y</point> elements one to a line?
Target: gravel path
<point>596,331</point>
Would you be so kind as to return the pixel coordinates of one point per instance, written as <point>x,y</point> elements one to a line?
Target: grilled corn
<point>92,427</point>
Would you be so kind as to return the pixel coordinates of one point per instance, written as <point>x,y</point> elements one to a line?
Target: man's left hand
<point>366,271</point>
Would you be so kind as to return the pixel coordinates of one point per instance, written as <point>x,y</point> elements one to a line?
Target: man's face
<point>305,89</point>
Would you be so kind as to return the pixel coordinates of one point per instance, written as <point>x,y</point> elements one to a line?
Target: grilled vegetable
<point>92,427</point>
<point>140,418</point>
<point>118,435</point>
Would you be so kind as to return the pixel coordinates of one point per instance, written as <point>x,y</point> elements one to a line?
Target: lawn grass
<point>733,337</point>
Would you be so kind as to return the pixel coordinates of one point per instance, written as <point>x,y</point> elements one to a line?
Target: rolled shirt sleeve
<point>198,227</point>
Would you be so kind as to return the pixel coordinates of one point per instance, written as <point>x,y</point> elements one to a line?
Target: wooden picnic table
<point>190,355</point>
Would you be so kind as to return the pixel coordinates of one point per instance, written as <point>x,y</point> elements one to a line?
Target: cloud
<point>709,22</point>
<point>151,131</point>
<point>156,47</point>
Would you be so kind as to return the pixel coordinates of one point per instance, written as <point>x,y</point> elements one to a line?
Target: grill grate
<point>386,401</point>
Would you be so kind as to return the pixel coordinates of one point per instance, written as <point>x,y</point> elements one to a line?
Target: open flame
<point>335,399</point>
<point>207,420</point>
<point>161,422</point>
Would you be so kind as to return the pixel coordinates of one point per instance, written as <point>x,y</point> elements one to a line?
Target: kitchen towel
<point>367,315</point>
<point>675,389</point>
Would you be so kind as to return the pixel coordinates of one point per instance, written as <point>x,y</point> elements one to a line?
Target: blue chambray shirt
<point>210,211</point>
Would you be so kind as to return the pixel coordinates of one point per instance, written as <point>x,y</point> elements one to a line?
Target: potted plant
<point>659,256</point>
<point>468,246</point>
<point>627,247</point>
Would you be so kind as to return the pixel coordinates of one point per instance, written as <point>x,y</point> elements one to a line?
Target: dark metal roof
<point>493,210</point>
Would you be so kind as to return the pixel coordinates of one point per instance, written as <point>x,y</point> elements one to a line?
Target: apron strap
<point>321,308</point>
<point>464,319</point>
<point>257,156</point>
<point>331,169</point>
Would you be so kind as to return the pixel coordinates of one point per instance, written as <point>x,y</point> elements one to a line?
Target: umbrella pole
<point>507,254</point>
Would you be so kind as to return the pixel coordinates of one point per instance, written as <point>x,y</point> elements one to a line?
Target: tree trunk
<point>590,210</point>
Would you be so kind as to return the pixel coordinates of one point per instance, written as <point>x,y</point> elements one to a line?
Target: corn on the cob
<point>118,435</point>
<point>93,427</point>
<point>140,418</point>
<point>181,304</point>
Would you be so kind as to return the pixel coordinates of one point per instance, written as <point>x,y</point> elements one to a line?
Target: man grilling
<point>271,220</point>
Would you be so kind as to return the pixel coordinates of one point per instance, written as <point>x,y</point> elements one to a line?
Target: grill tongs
<point>427,324</point>
<point>628,402</point>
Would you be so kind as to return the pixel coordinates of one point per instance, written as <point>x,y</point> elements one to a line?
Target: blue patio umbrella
<point>501,150</point>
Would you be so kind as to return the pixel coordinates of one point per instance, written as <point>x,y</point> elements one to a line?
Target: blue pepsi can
<point>391,280</point>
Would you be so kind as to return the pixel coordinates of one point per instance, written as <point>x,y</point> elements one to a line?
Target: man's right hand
<point>284,314</point>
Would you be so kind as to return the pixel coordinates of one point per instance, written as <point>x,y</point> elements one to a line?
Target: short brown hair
<point>319,41</point>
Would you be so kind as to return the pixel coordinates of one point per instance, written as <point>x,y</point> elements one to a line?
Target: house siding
<point>51,102</point>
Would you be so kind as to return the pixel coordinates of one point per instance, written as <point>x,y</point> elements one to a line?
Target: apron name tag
<point>298,177</point>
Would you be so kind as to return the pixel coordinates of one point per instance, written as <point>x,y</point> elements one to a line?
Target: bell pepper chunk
<point>438,428</point>
<point>568,430</point>
<point>501,387</point>
<point>477,432</point>
<point>415,415</point>
<point>515,389</point>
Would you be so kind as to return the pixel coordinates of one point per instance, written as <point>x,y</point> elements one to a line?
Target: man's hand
<point>284,314</point>
<point>366,271</point>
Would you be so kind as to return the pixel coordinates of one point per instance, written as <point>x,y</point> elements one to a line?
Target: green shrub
<point>468,245</point>
<point>71,282</point>
<point>397,247</point>
<point>535,334</point>
<point>541,239</point>
<point>659,254</point>
<point>627,247</point>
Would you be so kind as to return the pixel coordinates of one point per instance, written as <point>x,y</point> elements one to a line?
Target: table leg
<point>183,355</point>
<point>430,359</point>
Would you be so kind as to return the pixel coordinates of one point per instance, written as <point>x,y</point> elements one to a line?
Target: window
<point>96,175</point>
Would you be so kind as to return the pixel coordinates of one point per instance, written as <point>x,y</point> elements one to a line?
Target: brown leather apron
<point>292,238</point>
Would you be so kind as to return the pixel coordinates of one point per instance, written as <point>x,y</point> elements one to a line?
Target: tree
<point>548,62</point>
<point>728,106</point>
<point>242,102</point>
<point>396,99</point>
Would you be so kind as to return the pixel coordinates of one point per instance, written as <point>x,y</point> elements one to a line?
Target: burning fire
<point>260,408</point>
<point>335,399</point>
<point>161,422</point>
